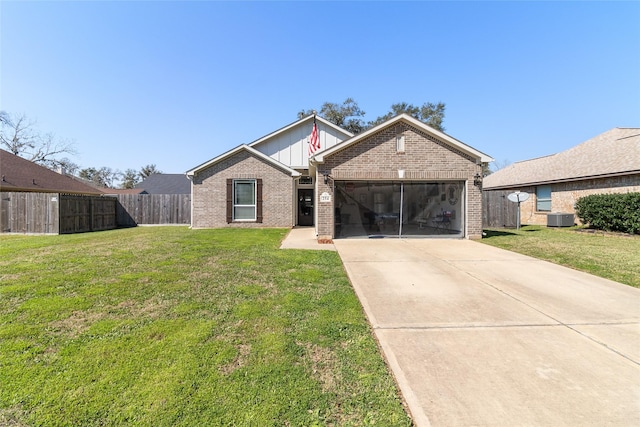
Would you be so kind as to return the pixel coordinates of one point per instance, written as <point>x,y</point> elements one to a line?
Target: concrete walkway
<point>304,238</point>
<point>478,336</point>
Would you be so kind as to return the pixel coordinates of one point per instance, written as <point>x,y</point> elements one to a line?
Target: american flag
<point>314,141</point>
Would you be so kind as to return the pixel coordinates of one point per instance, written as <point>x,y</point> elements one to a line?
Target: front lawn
<point>166,326</point>
<point>610,255</point>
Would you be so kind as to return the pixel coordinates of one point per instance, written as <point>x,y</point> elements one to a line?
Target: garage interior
<point>398,209</point>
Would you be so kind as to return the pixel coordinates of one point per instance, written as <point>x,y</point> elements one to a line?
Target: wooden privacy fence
<point>497,210</point>
<point>86,213</point>
<point>54,213</point>
<point>134,209</point>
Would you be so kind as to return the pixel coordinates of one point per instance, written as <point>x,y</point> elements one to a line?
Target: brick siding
<point>564,195</point>
<point>375,158</point>
<point>209,192</point>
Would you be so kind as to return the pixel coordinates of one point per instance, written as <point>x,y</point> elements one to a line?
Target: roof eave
<point>296,123</point>
<point>480,156</point>
<point>234,151</point>
<point>561,180</point>
<point>47,191</point>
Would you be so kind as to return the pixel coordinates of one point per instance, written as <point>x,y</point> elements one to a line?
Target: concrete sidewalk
<point>304,238</point>
<point>476,335</point>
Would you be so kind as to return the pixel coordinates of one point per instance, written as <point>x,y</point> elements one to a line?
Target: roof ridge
<point>629,136</point>
<point>536,158</point>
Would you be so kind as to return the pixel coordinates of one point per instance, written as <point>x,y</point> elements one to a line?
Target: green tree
<point>429,113</point>
<point>130,178</point>
<point>103,177</point>
<point>346,115</point>
<point>148,170</point>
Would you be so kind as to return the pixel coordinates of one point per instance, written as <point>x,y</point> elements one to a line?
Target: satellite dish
<point>518,196</point>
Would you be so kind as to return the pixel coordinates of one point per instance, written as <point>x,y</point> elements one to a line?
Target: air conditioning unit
<point>560,220</point>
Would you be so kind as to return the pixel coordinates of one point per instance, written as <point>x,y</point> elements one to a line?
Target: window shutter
<point>229,201</point>
<point>259,200</point>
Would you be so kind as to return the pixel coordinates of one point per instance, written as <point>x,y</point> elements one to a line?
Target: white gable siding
<point>291,147</point>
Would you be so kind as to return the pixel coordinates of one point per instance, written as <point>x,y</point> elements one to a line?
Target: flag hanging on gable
<point>314,141</point>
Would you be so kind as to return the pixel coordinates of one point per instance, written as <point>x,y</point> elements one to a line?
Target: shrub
<point>611,212</point>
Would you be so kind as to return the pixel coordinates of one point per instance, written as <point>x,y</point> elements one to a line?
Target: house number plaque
<point>325,197</point>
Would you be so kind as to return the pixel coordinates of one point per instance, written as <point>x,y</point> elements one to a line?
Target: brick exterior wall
<point>210,196</point>
<point>375,158</point>
<point>564,195</point>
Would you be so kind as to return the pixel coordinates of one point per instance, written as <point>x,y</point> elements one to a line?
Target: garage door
<point>394,209</point>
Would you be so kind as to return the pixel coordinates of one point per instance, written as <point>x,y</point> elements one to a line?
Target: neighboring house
<point>165,183</point>
<point>400,178</point>
<point>607,163</point>
<point>21,175</point>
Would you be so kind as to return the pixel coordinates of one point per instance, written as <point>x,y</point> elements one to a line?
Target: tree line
<point>350,116</point>
<point>20,136</point>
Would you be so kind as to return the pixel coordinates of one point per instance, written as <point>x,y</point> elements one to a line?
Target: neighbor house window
<point>244,200</point>
<point>400,143</point>
<point>543,198</point>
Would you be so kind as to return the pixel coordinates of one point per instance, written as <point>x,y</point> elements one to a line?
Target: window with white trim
<point>543,198</point>
<point>244,200</point>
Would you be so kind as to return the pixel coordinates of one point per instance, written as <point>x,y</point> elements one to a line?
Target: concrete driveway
<point>479,336</point>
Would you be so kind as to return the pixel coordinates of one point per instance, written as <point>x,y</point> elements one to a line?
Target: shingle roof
<point>18,174</point>
<point>166,183</point>
<point>615,152</point>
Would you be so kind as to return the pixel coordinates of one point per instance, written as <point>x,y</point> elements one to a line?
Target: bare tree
<point>19,135</point>
<point>496,165</point>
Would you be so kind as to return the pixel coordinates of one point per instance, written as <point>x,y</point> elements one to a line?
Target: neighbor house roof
<point>237,150</point>
<point>405,118</point>
<point>165,183</point>
<point>117,191</point>
<point>612,153</point>
<point>18,174</point>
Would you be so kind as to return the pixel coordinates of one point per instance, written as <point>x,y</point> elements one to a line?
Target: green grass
<point>608,255</point>
<point>166,326</point>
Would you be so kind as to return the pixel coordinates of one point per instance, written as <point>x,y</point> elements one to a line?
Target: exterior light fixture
<point>326,177</point>
<point>400,173</point>
<point>477,180</point>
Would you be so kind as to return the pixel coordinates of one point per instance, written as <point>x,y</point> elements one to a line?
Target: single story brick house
<point>607,163</point>
<point>400,178</point>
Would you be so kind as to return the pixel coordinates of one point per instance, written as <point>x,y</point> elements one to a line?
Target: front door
<point>305,207</point>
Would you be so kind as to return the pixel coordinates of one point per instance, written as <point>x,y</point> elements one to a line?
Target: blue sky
<point>177,83</point>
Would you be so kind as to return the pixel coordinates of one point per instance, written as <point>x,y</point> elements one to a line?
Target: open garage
<point>399,179</point>
<point>398,208</point>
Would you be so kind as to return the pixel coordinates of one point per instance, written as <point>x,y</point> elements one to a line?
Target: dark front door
<point>305,207</point>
